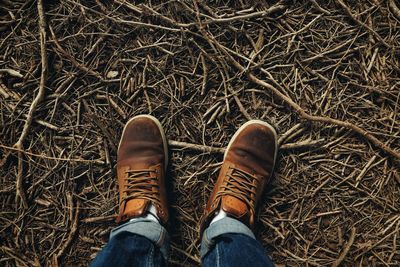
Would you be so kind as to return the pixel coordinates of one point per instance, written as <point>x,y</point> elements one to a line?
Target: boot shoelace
<point>142,184</point>
<point>242,185</point>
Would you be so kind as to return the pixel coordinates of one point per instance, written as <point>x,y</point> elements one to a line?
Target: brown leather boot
<point>141,165</point>
<point>248,165</point>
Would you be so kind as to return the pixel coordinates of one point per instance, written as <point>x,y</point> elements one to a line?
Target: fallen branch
<point>304,115</point>
<point>365,169</point>
<point>221,150</point>
<point>258,14</point>
<point>20,259</point>
<point>394,8</point>
<point>362,24</point>
<point>39,97</point>
<point>196,147</point>
<point>12,73</point>
<point>73,60</point>
<point>100,219</point>
<point>146,9</point>
<point>87,161</point>
<point>300,111</point>
<point>302,144</point>
<point>73,230</point>
<point>288,133</point>
<point>319,8</point>
<point>346,248</point>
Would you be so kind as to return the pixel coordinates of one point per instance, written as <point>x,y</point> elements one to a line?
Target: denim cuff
<point>149,229</point>
<point>223,226</point>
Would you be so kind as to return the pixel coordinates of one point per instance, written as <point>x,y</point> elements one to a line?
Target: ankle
<point>151,214</point>
<point>219,215</point>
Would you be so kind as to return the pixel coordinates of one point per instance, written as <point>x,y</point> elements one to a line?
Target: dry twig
<point>38,99</point>
<point>346,248</point>
<point>302,113</point>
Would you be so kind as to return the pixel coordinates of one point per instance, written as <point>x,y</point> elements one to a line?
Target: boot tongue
<point>136,207</point>
<point>234,206</point>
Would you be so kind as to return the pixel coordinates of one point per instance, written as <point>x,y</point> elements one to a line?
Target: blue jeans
<point>227,242</point>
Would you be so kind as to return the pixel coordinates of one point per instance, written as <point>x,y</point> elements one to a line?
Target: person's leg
<point>140,239</point>
<point>128,249</point>
<point>230,213</point>
<point>228,242</point>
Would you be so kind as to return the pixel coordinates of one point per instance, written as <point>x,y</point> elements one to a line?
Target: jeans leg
<point>236,250</point>
<point>139,243</point>
<point>229,242</point>
<point>127,249</point>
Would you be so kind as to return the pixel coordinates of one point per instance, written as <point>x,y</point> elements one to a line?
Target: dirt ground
<point>326,74</point>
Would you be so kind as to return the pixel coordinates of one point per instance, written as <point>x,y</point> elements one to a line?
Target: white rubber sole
<point>157,122</point>
<point>269,126</point>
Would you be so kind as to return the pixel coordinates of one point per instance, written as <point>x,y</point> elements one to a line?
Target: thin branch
<point>346,248</point>
<point>87,161</point>
<point>72,59</point>
<point>394,8</point>
<point>300,111</point>
<point>362,24</point>
<point>195,147</point>
<point>210,20</point>
<point>43,76</point>
<point>221,150</point>
<point>74,228</point>
<point>100,219</point>
<point>38,99</point>
<point>12,73</point>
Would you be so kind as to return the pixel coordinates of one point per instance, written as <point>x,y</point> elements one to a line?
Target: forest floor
<point>325,74</point>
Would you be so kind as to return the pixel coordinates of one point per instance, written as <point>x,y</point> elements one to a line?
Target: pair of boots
<point>143,158</point>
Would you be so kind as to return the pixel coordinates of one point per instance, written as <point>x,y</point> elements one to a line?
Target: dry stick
<point>39,97</point>
<point>88,161</point>
<point>221,150</point>
<point>196,147</point>
<point>346,248</point>
<point>100,124</point>
<point>156,45</point>
<point>292,34</point>
<point>375,244</point>
<point>241,108</point>
<point>257,14</point>
<point>190,256</point>
<point>365,169</point>
<point>302,144</point>
<point>20,260</point>
<point>72,59</point>
<point>353,17</point>
<point>127,22</point>
<point>100,219</point>
<point>302,113</point>
<point>71,235</point>
<point>12,73</point>
<point>284,136</point>
<point>205,75</point>
<point>117,108</point>
<point>20,194</point>
<point>319,8</point>
<point>395,10</point>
